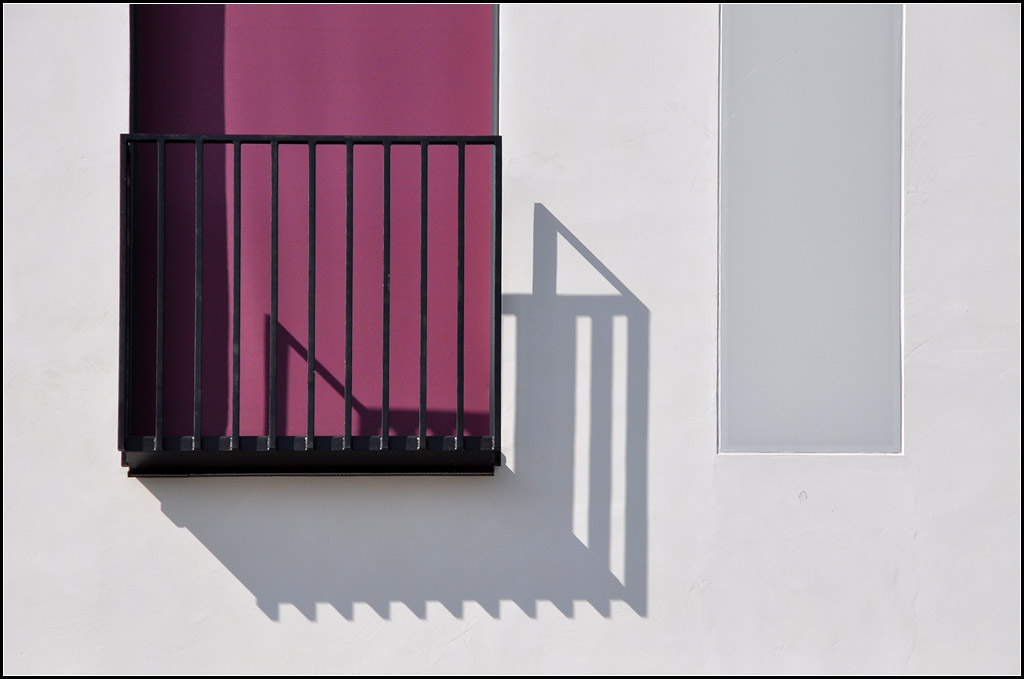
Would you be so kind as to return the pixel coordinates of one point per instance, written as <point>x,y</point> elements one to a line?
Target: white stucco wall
<point>678,560</point>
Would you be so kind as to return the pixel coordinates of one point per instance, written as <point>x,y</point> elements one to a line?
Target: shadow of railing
<point>565,521</point>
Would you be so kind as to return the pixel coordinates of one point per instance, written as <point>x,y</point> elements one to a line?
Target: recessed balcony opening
<point>311,242</point>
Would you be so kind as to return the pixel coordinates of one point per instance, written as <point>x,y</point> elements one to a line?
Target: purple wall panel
<point>370,70</point>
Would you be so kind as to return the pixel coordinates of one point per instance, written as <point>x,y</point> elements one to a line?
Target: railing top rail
<point>313,138</point>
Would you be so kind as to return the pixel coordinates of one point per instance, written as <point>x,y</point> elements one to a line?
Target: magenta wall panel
<point>330,70</point>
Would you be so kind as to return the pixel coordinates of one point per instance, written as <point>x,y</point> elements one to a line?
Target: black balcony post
<point>122,324</point>
<point>385,406</point>
<point>272,402</point>
<point>424,147</point>
<point>495,419</point>
<point>236,301</point>
<point>349,244</point>
<point>460,379</point>
<point>161,181</point>
<point>311,310</point>
<point>197,339</point>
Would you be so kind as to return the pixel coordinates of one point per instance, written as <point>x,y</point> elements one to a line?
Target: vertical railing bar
<point>495,418</point>
<point>236,294</point>
<point>461,330</point>
<point>132,414</point>
<point>122,329</point>
<point>349,242</point>
<point>385,408</point>
<point>424,147</point>
<point>197,360</point>
<point>161,180</point>
<point>311,322</point>
<point>272,406</point>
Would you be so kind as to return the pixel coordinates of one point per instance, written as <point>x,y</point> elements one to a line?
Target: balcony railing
<point>150,447</point>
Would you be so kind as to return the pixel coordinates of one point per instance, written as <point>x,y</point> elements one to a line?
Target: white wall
<point>678,560</point>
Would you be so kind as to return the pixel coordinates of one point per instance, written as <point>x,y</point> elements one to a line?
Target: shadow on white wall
<point>565,521</point>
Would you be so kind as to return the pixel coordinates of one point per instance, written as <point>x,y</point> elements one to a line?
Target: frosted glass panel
<point>809,318</point>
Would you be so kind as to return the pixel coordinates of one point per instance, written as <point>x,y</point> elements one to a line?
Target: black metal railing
<point>181,453</point>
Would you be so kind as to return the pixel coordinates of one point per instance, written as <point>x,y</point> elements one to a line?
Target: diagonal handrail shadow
<point>414,540</point>
<point>402,421</point>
